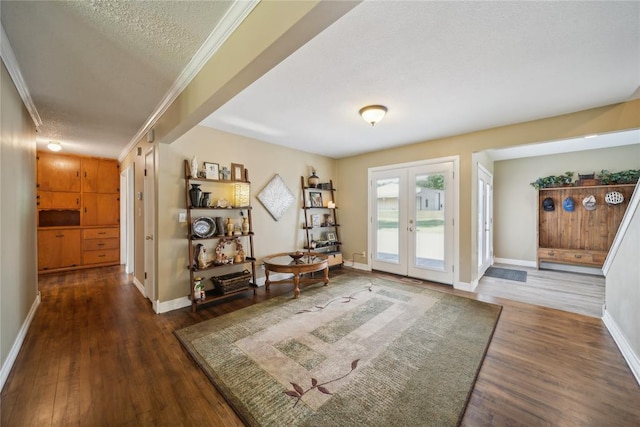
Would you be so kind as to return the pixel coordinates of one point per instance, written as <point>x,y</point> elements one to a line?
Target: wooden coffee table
<point>283,263</point>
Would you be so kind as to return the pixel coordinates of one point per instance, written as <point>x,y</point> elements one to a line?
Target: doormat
<point>363,351</point>
<point>507,274</point>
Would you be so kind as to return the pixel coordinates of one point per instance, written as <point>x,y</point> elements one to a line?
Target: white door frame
<point>127,224</point>
<point>484,220</point>
<point>455,206</point>
<point>150,245</point>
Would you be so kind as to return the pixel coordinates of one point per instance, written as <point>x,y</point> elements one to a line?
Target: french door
<point>485,220</point>
<point>412,221</point>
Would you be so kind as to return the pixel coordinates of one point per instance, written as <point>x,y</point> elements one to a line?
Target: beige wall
<point>352,171</point>
<point>18,248</point>
<point>515,204</point>
<point>263,161</point>
<point>623,286</point>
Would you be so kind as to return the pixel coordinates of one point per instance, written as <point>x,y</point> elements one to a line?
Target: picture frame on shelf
<point>315,199</point>
<point>211,170</point>
<point>237,172</point>
<point>315,220</point>
<point>331,236</point>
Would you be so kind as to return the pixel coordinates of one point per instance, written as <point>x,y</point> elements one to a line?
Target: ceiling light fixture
<point>54,146</point>
<point>373,113</point>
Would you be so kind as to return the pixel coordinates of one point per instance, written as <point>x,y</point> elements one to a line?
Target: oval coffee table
<point>283,263</point>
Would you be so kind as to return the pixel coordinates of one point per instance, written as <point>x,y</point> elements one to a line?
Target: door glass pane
<point>429,218</point>
<point>387,219</point>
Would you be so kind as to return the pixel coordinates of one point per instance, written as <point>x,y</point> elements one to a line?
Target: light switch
<point>182,217</point>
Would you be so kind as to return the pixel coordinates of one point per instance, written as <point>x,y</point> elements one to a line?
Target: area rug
<point>363,351</point>
<point>507,273</point>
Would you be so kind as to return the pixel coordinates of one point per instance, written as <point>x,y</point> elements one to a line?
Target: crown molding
<point>10,61</point>
<point>229,22</point>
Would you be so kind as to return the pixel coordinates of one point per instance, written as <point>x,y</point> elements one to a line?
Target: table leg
<point>266,280</point>
<point>326,276</point>
<point>296,285</point>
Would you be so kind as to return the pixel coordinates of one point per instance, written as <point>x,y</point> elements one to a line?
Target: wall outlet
<point>182,217</point>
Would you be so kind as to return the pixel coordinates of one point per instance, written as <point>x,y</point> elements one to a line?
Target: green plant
<point>553,181</point>
<point>623,177</point>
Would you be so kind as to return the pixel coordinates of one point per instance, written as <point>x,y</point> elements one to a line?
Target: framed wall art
<point>211,170</point>
<point>237,172</point>
<point>276,197</point>
<point>315,199</point>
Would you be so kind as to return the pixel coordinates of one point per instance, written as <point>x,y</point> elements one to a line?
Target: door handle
<point>148,237</point>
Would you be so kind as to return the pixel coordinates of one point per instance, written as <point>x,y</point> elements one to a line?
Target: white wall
<point>18,248</point>
<point>515,201</point>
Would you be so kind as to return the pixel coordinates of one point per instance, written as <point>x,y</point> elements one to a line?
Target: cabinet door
<point>100,209</point>
<point>58,200</point>
<point>100,176</point>
<point>58,249</point>
<point>58,172</point>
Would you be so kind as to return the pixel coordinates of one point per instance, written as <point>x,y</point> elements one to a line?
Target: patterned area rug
<point>363,351</point>
<point>507,273</point>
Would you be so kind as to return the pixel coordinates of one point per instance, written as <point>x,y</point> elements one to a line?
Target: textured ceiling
<point>441,68</point>
<point>96,70</point>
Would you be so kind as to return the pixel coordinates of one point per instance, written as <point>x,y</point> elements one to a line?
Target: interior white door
<point>412,221</point>
<point>485,220</point>
<point>149,226</point>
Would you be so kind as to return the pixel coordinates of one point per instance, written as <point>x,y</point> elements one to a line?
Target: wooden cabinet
<point>57,172</point>
<point>100,245</point>
<point>58,200</point>
<point>100,209</point>
<point>224,231</point>
<point>59,248</point>
<point>581,236</point>
<point>100,176</point>
<point>321,226</point>
<point>76,194</point>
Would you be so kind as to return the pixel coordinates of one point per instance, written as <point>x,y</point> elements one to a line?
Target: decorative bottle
<point>205,200</point>
<point>245,226</point>
<point>194,195</point>
<point>229,227</point>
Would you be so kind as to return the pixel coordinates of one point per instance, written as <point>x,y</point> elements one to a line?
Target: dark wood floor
<point>96,354</point>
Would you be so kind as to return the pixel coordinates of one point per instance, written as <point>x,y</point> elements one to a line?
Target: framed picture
<point>237,172</point>
<point>315,220</point>
<point>315,199</point>
<point>211,170</point>
<point>331,237</point>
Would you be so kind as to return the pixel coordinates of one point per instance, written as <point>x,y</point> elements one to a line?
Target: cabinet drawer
<point>100,233</point>
<point>577,257</point>
<point>96,257</point>
<point>549,254</point>
<point>100,244</point>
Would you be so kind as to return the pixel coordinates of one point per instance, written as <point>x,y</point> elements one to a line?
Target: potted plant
<point>629,176</point>
<point>553,181</point>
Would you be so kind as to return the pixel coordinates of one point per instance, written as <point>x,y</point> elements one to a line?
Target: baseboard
<point>627,352</point>
<point>464,286</point>
<point>518,262</point>
<point>17,344</point>
<point>140,286</point>
<point>356,265</point>
<point>582,269</point>
<point>174,304</point>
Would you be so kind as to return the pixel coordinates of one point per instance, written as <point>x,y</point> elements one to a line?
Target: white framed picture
<point>211,170</point>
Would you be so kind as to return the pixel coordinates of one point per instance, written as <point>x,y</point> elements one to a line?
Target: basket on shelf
<point>231,282</point>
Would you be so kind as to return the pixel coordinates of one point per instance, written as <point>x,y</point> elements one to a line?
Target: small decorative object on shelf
<point>231,244</point>
<point>225,173</point>
<point>194,168</point>
<point>313,179</point>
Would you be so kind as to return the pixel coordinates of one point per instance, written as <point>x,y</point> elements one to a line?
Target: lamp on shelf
<point>373,113</point>
<point>241,195</point>
<point>54,146</point>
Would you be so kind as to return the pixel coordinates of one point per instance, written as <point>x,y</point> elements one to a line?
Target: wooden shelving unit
<point>218,188</point>
<point>321,219</point>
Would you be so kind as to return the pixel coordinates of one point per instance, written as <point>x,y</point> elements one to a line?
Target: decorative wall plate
<point>203,227</point>
<point>276,197</point>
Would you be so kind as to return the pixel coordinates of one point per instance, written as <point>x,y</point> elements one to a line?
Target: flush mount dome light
<point>54,146</point>
<point>373,113</point>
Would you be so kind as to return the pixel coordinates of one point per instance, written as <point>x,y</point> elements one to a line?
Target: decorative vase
<point>205,200</point>
<point>313,180</point>
<point>194,195</point>
<point>245,226</point>
<point>220,226</point>
<point>229,227</point>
